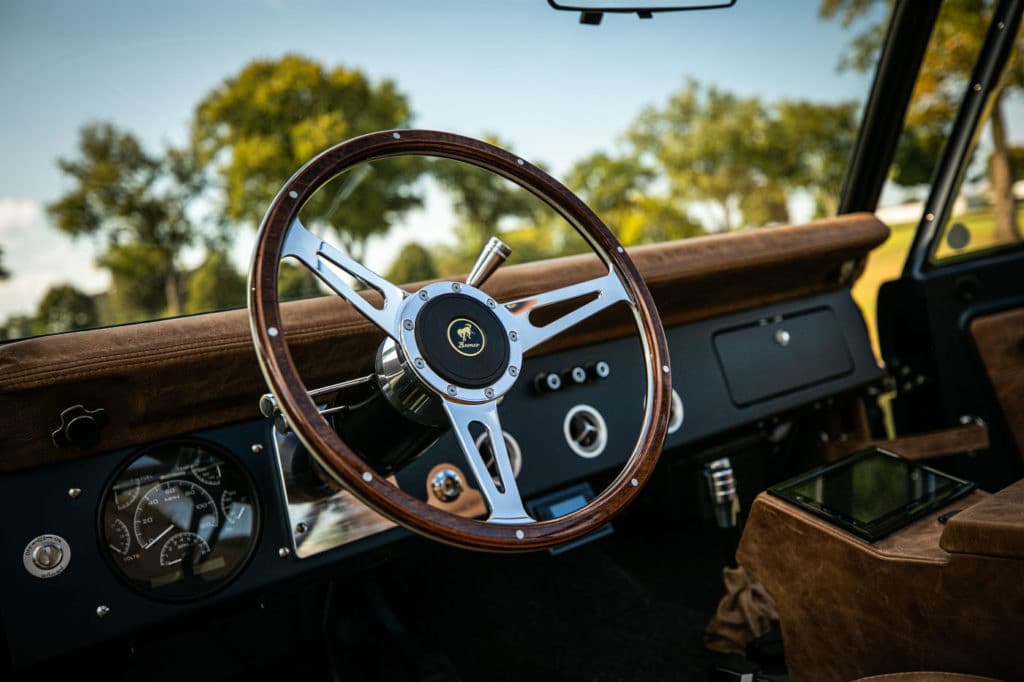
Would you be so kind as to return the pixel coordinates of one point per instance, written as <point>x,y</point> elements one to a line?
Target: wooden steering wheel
<point>458,344</point>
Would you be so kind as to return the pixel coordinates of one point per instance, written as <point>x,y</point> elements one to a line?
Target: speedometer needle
<point>152,542</point>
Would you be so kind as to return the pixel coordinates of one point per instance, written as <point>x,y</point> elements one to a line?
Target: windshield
<point>143,143</point>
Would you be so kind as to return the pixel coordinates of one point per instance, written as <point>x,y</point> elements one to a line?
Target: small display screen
<point>873,492</point>
<point>566,506</point>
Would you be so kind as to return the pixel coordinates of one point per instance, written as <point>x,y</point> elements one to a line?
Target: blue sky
<point>557,90</point>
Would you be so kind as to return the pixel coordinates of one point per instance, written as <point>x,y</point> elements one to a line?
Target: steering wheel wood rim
<point>324,443</point>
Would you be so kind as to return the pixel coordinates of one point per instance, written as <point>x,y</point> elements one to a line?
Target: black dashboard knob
<point>575,375</point>
<point>547,382</point>
<point>79,427</point>
<point>599,370</point>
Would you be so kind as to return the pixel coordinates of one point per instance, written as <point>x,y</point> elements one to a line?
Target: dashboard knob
<point>547,382</point>
<point>446,485</point>
<point>576,375</point>
<point>599,370</point>
<point>79,427</point>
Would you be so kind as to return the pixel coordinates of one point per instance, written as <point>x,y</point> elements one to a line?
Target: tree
<point>215,285</point>
<point>17,327</point>
<point>955,44</point>
<point>134,201</point>
<point>64,309</point>
<point>714,146</point>
<point>482,200</point>
<point>814,141</point>
<point>260,125</point>
<point>618,188</point>
<point>138,288</point>
<point>412,264</point>
<point>4,272</point>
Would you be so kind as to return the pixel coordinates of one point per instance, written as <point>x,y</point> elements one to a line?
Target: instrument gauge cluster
<point>179,520</point>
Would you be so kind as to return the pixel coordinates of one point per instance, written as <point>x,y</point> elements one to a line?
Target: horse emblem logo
<point>466,337</point>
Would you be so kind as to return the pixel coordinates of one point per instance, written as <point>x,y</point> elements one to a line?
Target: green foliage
<point>130,199</point>
<point>482,199</point>
<point>712,146</point>
<point>260,125</point>
<point>814,140</point>
<point>412,264</point>
<point>295,282</point>
<point>618,189</point>
<point>64,309</point>
<point>138,282</point>
<point>215,285</point>
<point>17,327</point>
<point>4,272</point>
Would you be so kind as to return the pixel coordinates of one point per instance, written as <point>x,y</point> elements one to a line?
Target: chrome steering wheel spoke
<point>506,504</point>
<point>318,256</point>
<point>606,289</point>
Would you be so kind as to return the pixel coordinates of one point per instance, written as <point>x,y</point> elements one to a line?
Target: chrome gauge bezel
<point>223,581</point>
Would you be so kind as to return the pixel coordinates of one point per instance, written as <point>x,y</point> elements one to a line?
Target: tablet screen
<point>872,492</point>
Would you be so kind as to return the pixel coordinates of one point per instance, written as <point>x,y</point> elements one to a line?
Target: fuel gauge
<point>119,539</point>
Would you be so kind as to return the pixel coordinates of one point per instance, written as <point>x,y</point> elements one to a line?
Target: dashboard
<point>115,543</point>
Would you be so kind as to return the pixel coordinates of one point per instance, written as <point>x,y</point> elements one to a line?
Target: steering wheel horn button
<point>46,556</point>
<point>462,340</point>
<point>466,337</point>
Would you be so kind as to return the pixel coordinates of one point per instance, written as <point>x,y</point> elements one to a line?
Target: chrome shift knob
<point>490,259</point>
<point>722,489</point>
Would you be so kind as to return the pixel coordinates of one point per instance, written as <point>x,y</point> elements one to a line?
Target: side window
<point>985,214</point>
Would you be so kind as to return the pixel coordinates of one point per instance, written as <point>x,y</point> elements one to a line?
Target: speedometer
<point>173,505</point>
<point>180,519</point>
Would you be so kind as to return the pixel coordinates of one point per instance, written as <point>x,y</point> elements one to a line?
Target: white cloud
<point>39,256</point>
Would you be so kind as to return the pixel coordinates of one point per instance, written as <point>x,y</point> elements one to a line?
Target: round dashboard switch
<point>47,556</point>
<point>577,375</point>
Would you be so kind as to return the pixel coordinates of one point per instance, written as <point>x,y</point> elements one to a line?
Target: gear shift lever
<point>490,259</point>
<point>726,504</point>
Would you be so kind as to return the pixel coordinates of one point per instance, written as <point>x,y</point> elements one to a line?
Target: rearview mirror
<point>644,8</point>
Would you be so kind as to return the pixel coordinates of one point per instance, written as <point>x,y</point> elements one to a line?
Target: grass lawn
<point>886,262</point>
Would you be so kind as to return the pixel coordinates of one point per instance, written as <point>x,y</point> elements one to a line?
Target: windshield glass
<point>143,143</point>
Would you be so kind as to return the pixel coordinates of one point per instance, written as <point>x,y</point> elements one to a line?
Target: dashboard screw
<point>489,392</point>
<point>284,552</point>
<point>520,534</point>
<point>419,363</point>
<point>456,286</point>
<point>293,194</point>
<point>301,527</point>
<point>491,303</point>
<point>256,448</point>
<point>407,325</point>
<point>73,493</point>
<point>102,610</point>
<point>514,336</point>
<point>452,390</point>
<point>513,370</point>
<point>423,295</point>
